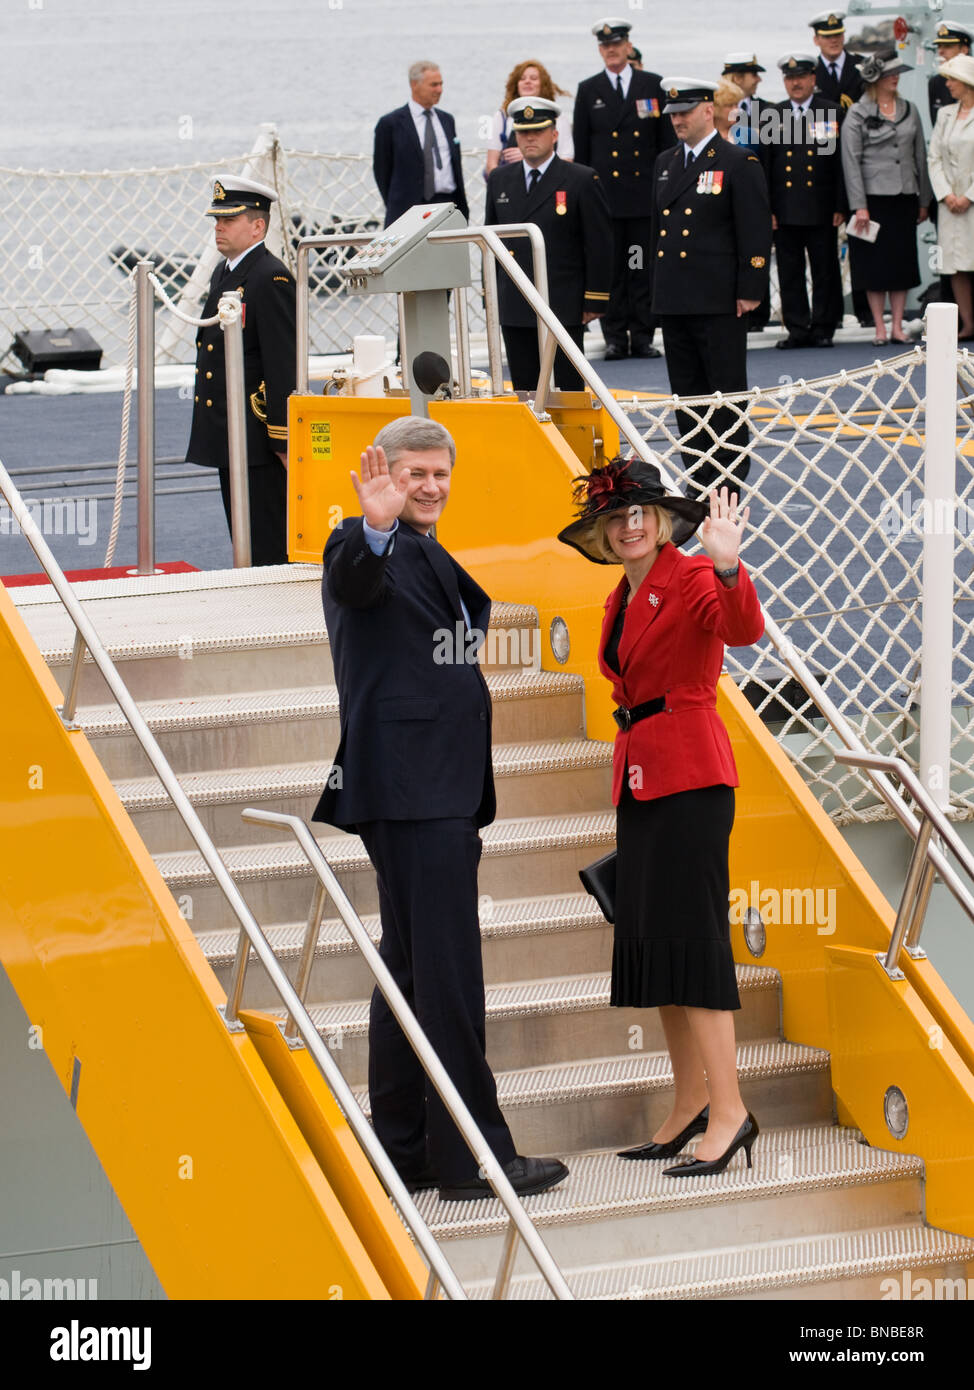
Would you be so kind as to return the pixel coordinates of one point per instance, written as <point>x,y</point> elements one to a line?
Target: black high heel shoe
<point>701,1167</point>
<point>670,1146</point>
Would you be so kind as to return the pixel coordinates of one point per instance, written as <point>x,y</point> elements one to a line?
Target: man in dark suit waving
<point>416,155</point>
<point>566,202</point>
<point>413,778</point>
<point>618,129</point>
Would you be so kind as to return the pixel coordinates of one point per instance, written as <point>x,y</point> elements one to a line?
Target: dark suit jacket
<point>849,87</point>
<point>805,171</point>
<point>620,139</point>
<point>675,647</point>
<point>938,94</point>
<point>578,239</point>
<point>397,162</point>
<point>709,247</point>
<point>267,291</point>
<point>415,712</point>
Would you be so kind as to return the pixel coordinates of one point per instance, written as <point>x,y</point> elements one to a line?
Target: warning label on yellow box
<point>321,439</point>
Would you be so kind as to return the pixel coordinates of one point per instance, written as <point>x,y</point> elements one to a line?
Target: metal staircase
<point>233,673</point>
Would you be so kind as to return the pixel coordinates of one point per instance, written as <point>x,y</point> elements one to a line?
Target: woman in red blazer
<point>662,647</point>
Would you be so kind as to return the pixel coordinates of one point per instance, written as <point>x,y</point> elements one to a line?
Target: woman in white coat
<point>951,167</point>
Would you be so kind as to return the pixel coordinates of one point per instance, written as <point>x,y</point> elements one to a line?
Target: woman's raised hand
<point>380,497</point>
<point>721,532</point>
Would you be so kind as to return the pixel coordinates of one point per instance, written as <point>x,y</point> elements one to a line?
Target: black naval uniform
<point>711,246</point>
<point>807,189</point>
<point>938,94</point>
<point>849,87</point>
<point>568,205</point>
<point>747,134</point>
<point>266,288</point>
<point>620,138</point>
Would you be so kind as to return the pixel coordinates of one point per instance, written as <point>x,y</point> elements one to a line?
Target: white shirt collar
<point>839,62</point>
<point>232,265</point>
<point>418,112</point>
<point>542,168</point>
<point>702,146</point>
<point>625,74</point>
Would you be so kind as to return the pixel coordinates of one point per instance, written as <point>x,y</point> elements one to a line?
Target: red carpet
<point>17,581</point>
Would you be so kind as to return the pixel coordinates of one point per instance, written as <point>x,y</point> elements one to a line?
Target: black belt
<point>625,718</point>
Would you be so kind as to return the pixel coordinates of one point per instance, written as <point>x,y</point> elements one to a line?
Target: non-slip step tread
<point>556,912</point>
<point>282,706</point>
<point>523,999</point>
<point>345,853</point>
<point>215,610</point>
<point>213,788</point>
<point>737,1271</point>
<point>785,1161</point>
<point>638,1073</point>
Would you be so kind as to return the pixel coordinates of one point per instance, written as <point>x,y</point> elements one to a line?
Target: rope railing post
<point>145,311</point>
<point>939,487</point>
<point>231,322</point>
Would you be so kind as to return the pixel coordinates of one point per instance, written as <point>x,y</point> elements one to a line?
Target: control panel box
<point>399,260</point>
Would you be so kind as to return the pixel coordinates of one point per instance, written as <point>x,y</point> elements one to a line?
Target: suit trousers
<point>268,512</point>
<point>707,353</point>
<point>821,245</point>
<point>427,877</point>
<point>524,361</point>
<point>630,312</point>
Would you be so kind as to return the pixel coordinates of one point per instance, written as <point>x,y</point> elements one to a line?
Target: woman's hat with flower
<point>621,484</point>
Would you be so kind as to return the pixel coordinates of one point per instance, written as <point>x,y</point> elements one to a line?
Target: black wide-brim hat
<point>621,484</point>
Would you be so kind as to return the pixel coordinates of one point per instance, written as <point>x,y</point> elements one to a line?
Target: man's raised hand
<point>380,498</point>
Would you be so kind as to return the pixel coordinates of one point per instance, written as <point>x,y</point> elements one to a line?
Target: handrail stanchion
<point>544,374</point>
<point>74,680</point>
<point>463,341</point>
<point>420,1044</point>
<point>432,1289</point>
<point>908,900</point>
<point>506,1266</point>
<point>495,355</point>
<point>146,359</point>
<point>303,977</point>
<point>231,322</point>
<point>302,313</point>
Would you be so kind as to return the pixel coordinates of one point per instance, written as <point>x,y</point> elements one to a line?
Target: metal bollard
<point>146,363</point>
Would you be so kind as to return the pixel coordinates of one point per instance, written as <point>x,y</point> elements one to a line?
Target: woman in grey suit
<point>884,161</point>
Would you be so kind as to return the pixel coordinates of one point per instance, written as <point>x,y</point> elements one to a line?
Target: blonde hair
<point>727,94</point>
<point>664,530</point>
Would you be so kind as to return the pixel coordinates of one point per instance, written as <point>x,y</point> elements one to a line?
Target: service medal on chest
<point>710,181</point>
<point>561,202</point>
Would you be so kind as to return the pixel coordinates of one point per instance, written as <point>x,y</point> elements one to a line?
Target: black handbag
<point>599,879</point>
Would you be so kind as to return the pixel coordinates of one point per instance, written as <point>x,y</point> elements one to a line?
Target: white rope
<point>174,309</point>
<point>123,448</point>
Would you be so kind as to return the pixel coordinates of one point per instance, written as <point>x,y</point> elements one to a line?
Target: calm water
<point>123,83</point>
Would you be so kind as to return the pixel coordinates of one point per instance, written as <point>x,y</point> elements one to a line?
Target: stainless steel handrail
<point>925,859</point>
<point>305,1024</point>
<point>303,297</point>
<point>431,1064</point>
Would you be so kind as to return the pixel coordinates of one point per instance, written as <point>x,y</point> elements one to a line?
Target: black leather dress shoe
<point>645,350</point>
<point>820,340</point>
<point>785,343</point>
<point>669,1147</point>
<point>526,1176</point>
<point>615,353</point>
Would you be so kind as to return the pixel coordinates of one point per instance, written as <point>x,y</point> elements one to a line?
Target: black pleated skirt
<point>672,933</point>
<point>890,262</point>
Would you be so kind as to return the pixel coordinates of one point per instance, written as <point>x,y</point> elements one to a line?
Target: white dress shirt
<point>443,180</point>
<point>542,170</point>
<point>626,76</point>
<point>232,265</point>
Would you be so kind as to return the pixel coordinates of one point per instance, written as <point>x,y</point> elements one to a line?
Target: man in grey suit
<point>416,155</point>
